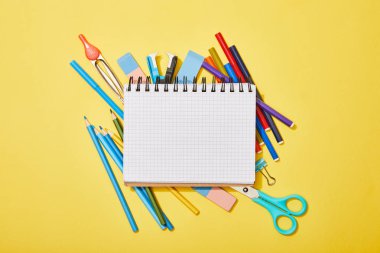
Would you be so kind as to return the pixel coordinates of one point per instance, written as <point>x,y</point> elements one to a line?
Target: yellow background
<point>316,61</point>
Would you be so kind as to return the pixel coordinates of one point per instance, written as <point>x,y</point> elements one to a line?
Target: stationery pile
<point>175,131</point>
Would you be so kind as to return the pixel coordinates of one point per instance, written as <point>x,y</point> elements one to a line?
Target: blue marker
<point>266,140</point>
<point>231,72</point>
<point>97,88</point>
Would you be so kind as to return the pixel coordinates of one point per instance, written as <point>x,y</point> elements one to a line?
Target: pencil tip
<point>86,120</point>
<point>100,127</point>
<point>112,114</point>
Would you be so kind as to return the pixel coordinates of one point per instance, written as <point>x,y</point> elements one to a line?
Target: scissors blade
<point>248,191</point>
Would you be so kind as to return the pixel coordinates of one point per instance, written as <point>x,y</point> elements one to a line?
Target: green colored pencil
<point>156,208</point>
<point>118,124</point>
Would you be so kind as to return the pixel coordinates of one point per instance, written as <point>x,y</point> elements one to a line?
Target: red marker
<point>258,148</point>
<point>229,56</point>
<point>261,117</point>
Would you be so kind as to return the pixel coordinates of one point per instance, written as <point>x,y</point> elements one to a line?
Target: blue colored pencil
<point>119,162</point>
<point>168,224</point>
<point>266,140</point>
<point>140,192</point>
<point>111,143</point>
<point>97,88</point>
<point>108,147</point>
<point>116,186</point>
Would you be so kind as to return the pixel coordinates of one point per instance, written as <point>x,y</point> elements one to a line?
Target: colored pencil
<point>110,148</point>
<point>116,186</point>
<point>110,141</point>
<point>97,88</point>
<point>268,117</point>
<point>148,205</point>
<point>268,144</point>
<point>275,113</point>
<point>156,207</point>
<point>106,140</point>
<point>114,155</point>
<point>169,225</point>
<point>115,138</point>
<point>181,198</point>
<point>118,124</point>
<point>173,190</point>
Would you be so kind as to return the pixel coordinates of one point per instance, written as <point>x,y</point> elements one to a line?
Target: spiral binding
<point>175,85</point>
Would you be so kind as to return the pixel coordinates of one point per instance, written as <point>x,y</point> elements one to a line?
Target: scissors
<point>277,207</point>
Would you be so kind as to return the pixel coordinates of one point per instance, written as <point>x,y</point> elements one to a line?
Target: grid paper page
<point>189,137</point>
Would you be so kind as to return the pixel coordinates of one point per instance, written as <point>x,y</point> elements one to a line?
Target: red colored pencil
<point>229,56</point>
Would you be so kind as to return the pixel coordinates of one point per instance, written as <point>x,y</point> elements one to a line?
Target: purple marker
<point>214,71</point>
<point>274,113</point>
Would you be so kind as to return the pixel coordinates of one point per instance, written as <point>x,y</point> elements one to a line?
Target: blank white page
<point>189,138</point>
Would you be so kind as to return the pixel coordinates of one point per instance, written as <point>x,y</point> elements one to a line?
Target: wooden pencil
<point>117,123</point>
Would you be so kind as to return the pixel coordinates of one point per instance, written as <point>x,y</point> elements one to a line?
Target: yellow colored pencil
<point>184,200</point>
<point>115,138</point>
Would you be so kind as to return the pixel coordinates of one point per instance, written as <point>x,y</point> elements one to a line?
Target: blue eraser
<point>190,66</point>
<point>127,63</point>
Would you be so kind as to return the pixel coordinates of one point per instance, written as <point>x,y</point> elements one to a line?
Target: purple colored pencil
<point>214,71</point>
<point>274,113</point>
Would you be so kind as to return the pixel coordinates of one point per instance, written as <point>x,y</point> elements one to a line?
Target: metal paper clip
<point>261,167</point>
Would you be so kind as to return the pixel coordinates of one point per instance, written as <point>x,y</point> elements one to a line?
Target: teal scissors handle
<point>277,208</point>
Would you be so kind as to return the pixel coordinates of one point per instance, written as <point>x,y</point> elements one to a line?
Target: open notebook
<point>177,137</point>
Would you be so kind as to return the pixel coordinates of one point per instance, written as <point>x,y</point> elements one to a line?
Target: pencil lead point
<point>87,122</point>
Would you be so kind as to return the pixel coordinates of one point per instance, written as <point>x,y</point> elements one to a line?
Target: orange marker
<point>211,62</point>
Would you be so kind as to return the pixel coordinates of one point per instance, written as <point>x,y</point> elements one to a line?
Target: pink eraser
<point>221,198</point>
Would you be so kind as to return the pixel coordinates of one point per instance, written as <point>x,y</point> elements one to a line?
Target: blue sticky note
<point>190,66</point>
<point>127,63</point>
